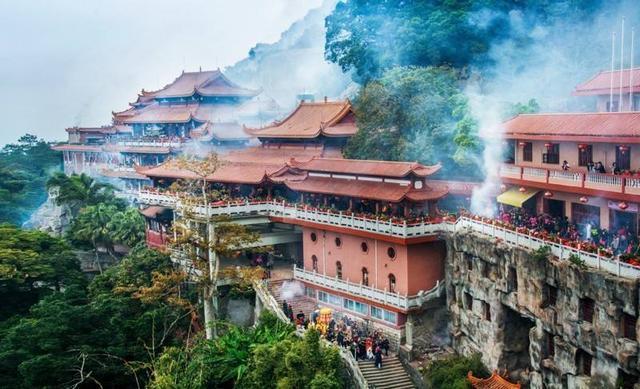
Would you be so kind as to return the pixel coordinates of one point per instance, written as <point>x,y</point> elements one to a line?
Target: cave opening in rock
<point>516,341</point>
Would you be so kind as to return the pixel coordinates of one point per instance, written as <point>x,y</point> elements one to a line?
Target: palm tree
<point>127,227</point>
<point>93,224</point>
<point>79,191</point>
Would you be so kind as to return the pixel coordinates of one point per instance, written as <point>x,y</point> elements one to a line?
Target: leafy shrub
<point>542,253</point>
<point>451,373</point>
<point>576,260</point>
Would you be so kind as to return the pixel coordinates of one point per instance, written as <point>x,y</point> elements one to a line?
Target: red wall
<point>416,267</point>
<point>155,239</point>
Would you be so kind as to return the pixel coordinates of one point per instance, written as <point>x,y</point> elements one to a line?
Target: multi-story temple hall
<point>199,111</point>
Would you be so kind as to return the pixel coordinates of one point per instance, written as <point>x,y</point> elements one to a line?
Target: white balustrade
<point>534,174</point>
<point>289,211</point>
<point>632,185</point>
<point>380,296</point>
<point>603,181</point>
<point>511,171</point>
<point>565,177</point>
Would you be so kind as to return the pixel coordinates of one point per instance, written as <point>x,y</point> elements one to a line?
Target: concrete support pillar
<point>408,333</point>
<point>257,310</point>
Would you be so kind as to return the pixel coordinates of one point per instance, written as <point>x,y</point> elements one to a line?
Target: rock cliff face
<point>50,217</point>
<point>547,323</point>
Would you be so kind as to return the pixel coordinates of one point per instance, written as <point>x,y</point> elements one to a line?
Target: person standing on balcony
<point>590,167</point>
<point>565,165</point>
<point>615,169</point>
<point>600,167</point>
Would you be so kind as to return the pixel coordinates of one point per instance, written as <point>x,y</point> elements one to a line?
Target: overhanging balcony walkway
<point>483,227</point>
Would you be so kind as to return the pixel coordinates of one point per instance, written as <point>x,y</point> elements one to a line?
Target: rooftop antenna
<point>633,33</point>
<point>621,65</point>
<point>613,54</point>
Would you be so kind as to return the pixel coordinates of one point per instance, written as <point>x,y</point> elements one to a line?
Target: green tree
<point>79,191</point>
<point>105,335</point>
<point>24,169</point>
<point>451,373</point>
<point>32,265</point>
<point>127,227</point>
<point>416,114</point>
<point>368,37</point>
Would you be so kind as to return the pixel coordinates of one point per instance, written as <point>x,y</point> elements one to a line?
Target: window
<point>551,297</point>
<point>623,157</point>
<point>339,270</point>
<point>486,310</point>
<point>338,242</point>
<point>468,301</point>
<point>586,309</point>
<point>365,276</point>
<point>612,108</point>
<point>527,152</point>
<point>512,279</point>
<point>583,363</point>
<point>314,263</point>
<point>310,292</point>
<point>330,298</point>
<point>392,283</point>
<point>323,296</point>
<point>553,153</point>
<point>356,306</point>
<point>391,252</point>
<point>469,263</point>
<point>364,247</point>
<point>629,326</point>
<point>550,349</point>
<point>383,314</point>
<point>585,155</point>
<point>314,237</point>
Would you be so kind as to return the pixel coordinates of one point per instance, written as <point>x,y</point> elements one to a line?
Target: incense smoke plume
<point>291,289</point>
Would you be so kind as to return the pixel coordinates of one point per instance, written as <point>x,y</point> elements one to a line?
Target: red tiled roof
<point>383,191</point>
<point>366,167</point>
<point>152,211</point>
<point>600,84</point>
<point>310,120</point>
<point>183,113</point>
<point>99,130</point>
<point>278,155</point>
<point>593,127</point>
<point>352,188</point>
<point>68,147</point>
<point>237,173</point>
<point>220,131</point>
<point>207,83</point>
<point>132,175</point>
<point>493,382</point>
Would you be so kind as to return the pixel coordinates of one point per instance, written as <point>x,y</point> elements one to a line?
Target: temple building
<point>599,184</point>
<point>200,111</point>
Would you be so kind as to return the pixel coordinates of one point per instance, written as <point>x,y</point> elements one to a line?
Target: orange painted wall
<point>416,267</point>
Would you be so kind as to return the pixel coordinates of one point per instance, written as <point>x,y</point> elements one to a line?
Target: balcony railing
<point>404,230</point>
<point>598,181</point>
<point>385,297</point>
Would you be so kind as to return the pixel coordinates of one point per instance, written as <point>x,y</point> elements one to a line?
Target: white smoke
<point>291,289</point>
<point>487,111</point>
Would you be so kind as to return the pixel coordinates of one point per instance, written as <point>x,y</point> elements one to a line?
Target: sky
<point>71,62</point>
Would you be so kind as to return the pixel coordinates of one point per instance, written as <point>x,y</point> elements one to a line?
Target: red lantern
<point>623,149</point>
<point>548,145</point>
<point>582,146</point>
<point>522,144</point>
<point>522,189</point>
<point>622,205</point>
<point>584,199</point>
<point>503,187</point>
<point>548,194</point>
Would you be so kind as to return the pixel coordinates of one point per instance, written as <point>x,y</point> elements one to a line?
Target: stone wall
<point>540,320</point>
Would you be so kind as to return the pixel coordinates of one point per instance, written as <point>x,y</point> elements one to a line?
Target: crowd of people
<point>616,242</point>
<point>598,167</point>
<point>345,332</point>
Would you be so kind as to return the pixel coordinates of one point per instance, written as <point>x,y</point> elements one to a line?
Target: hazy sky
<point>71,62</point>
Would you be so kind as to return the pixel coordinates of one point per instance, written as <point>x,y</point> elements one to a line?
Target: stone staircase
<point>299,302</point>
<point>392,375</point>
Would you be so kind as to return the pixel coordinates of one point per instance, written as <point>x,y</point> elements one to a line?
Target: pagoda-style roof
<point>382,191</point>
<point>210,83</point>
<point>233,173</point>
<point>577,127</point>
<point>600,84</point>
<point>310,120</point>
<point>366,167</point>
<point>493,382</point>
